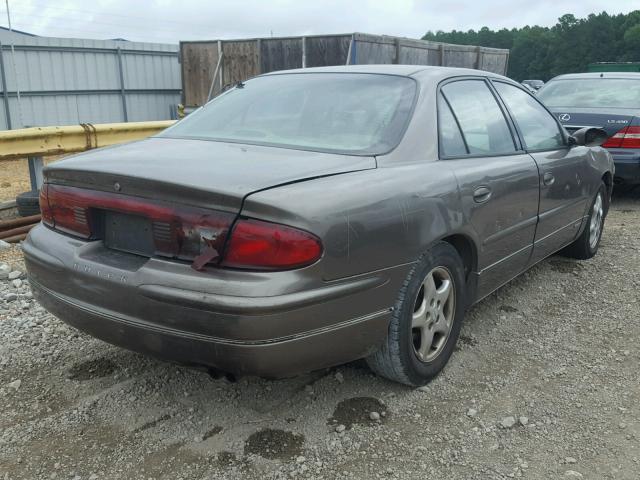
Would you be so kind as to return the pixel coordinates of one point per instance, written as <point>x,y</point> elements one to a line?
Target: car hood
<point>198,172</point>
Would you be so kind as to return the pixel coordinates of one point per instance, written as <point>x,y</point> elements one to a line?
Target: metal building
<point>64,81</point>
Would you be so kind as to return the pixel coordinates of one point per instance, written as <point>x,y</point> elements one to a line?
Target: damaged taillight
<point>197,235</point>
<point>45,211</point>
<point>182,232</point>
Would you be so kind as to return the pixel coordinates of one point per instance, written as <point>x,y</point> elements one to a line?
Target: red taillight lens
<point>628,137</point>
<point>179,232</point>
<point>45,211</point>
<point>69,210</point>
<point>259,245</point>
<point>186,233</point>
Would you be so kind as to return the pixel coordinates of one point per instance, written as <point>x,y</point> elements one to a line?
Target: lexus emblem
<point>116,187</point>
<point>564,117</point>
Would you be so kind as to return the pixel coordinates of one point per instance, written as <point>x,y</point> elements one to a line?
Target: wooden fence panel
<point>240,61</point>
<point>199,62</point>
<point>327,51</point>
<point>243,59</point>
<point>280,54</point>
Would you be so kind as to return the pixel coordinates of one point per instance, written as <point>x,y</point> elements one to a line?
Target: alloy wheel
<point>595,227</point>
<point>433,313</point>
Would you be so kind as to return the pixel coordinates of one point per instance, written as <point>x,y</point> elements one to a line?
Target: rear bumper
<point>627,162</point>
<point>272,325</point>
<point>276,358</point>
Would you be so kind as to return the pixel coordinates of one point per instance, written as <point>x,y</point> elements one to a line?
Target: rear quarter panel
<point>600,163</point>
<point>368,220</point>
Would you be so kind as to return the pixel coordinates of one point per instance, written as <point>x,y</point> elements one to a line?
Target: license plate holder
<point>128,233</point>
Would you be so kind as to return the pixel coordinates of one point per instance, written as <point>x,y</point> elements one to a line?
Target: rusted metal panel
<point>42,141</point>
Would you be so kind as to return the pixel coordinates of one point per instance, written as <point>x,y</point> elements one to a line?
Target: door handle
<point>481,194</point>
<point>548,179</point>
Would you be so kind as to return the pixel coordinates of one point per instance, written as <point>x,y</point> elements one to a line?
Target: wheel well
<point>467,251</point>
<point>608,181</point>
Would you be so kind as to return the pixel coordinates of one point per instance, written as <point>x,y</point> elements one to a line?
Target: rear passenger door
<point>498,181</point>
<point>563,192</point>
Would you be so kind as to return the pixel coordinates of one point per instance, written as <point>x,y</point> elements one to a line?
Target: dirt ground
<point>14,177</point>
<point>544,385</point>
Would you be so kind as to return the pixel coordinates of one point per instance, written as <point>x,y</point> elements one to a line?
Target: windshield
<point>352,113</point>
<point>592,93</point>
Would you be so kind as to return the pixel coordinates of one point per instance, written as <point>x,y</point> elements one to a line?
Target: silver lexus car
<point>308,218</point>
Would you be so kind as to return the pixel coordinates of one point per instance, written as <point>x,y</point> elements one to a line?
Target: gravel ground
<point>544,385</point>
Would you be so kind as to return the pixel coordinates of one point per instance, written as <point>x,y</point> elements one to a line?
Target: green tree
<point>569,46</point>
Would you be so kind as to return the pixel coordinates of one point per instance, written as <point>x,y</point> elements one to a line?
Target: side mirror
<point>589,137</point>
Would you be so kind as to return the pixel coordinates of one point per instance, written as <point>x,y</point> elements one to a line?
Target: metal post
<point>478,57</point>
<point>13,61</point>
<point>5,91</point>
<point>396,59</point>
<point>35,172</point>
<point>213,79</point>
<point>349,51</point>
<point>220,53</point>
<point>259,54</point>
<point>123,92</point>
<point>442,55</point>
<point>304,52</point>
<point>354,51</point>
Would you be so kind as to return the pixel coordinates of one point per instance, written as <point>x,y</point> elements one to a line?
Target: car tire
<point>423,312</point>
<point>586,245</point>
<point>28,203</point>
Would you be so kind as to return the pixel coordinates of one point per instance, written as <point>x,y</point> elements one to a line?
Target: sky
<point>169,21</point>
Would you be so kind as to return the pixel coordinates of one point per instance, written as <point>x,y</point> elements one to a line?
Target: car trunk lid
<point>173,198</point>
<point>611,120</point>
<point>195,172</point>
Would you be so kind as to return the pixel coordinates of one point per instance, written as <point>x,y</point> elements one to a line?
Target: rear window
<point>592,93</point>
<point>362,114</point>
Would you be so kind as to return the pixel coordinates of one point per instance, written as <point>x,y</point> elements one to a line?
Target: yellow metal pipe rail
<point>43,141</point>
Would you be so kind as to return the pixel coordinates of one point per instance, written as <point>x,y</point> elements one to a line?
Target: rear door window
<point>481,120</point>
<point>451,141</point>
<point>538,128</point>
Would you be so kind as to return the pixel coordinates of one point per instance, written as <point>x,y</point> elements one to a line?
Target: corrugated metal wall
<point>70,81</point>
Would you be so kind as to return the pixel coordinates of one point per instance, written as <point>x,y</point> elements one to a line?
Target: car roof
<point>423,71</point>
<point>576,76</point>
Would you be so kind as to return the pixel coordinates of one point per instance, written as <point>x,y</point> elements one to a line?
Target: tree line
<point>567,47</point>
